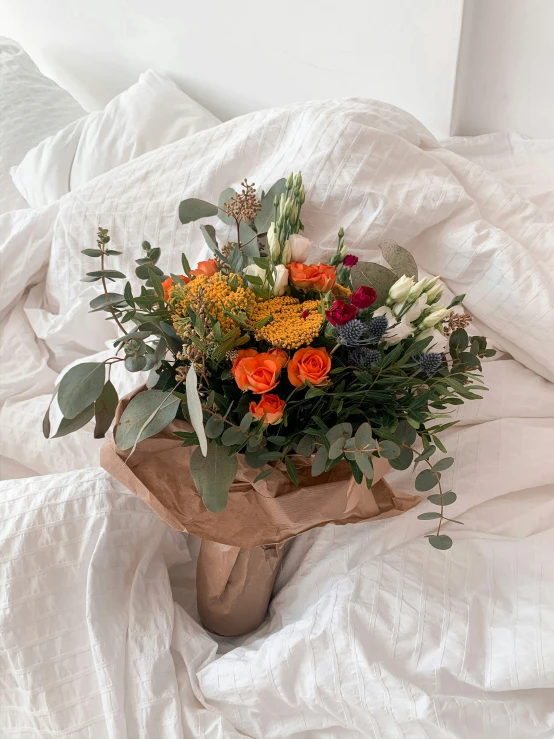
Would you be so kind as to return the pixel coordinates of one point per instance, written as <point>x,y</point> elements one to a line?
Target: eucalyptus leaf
<point>69,425</point>
<point>405,433</point>
<point>291,469</point>
<point>428,516</point>
<point>404,459</point>
<point>247,235</point>
<point>373,275</point>
<point>104,409</point>
<point>147,414</point>
<point>192,209</point>
<point>426,480</point>
<point>399,259</point>
<point>443,464</point>
<point>388,449</point>
<point>195,408</point>
<point>320,460</point>
<point>305,446</point>
<point>364,436</point>
<point>208,232</point>
<point>364,463</point>
<point>447,498</point>
<point>213,474</point>
<point>440,542</point>
<point>79,387</point>
<point>226,196</point>
<point>101,302</point>
<point>46,419</point>
<point>214,427</point>
<point>264,474</point>
<point>336,448</point>
<point>343,430</point>
<point>264,217</point>
<point>233,436</point>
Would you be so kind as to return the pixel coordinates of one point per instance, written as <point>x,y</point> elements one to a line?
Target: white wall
<point>506,68</point>
<point>243,56</point>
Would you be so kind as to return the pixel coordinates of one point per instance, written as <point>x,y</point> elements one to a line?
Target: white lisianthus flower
<point>435,293</point>
<point>300,248</point>
<point>398,330</point>
<point>417,289</point>
<point>399,291</point>
<point>439,343</point>
<point>414,311</point>
<point>435,317</point>
<point>287,253</point>
<point>281,279</point>
<point>255,271</point>
<point>273,243</point>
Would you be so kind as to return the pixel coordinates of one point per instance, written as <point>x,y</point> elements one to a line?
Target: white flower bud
<point>289,181</point>
<point>431,282</point>
<point>273,243</point>
<point>417,289</point>
<point>300,246</point>
<point>435,317</point>
<point>399,291</point>
<point>286,255</point>
<point>435,293</point>
<point>411,312</point>
<point>281,279</point>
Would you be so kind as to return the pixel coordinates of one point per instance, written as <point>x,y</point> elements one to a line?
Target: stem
<point>105,286</point>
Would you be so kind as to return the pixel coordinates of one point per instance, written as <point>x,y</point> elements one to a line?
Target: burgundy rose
<point>363,297</point>
<point>350,260</point>
<point>341,313</point>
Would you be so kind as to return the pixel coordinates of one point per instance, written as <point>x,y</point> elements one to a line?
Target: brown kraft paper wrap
<point>242,546</point>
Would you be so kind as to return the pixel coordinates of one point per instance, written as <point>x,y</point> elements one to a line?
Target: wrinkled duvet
<point>372,633</point>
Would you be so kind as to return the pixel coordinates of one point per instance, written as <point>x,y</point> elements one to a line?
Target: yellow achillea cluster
<point>339,291</point>
<point>211,295</point>
<point>287,330</point>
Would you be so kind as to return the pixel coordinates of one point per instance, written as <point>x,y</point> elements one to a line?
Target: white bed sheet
<point>372,632</point>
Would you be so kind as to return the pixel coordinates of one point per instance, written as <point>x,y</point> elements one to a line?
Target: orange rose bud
<point>242,353</point>
<point>280,354</point>
<point>260,374</point>
<point>321,277</point>
<point>167,284</point>
<point>271,406</point>
<point>309,365</point>
<point>207,268</point>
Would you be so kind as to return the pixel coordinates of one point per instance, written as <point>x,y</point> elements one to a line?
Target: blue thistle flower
<point>363,357</point>
<point>430,362</point>
<point>351,333</point>
<point>377,327</point>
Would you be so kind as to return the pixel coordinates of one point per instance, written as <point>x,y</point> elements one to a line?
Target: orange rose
<point>280,354</point>
<point>271,406</point>
<point>166,284</point>
<point>321,277</point>
<point>207,268</point>
<point>242,353</point>
<point>260,374</point>
<point>309,365</point>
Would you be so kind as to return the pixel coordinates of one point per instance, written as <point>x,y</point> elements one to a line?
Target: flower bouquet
<point>293,385</point>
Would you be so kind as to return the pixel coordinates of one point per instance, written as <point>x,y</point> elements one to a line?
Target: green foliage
<point>104,409</point>
<point>213,473</point>
<point>194,407</point>
<point>399,259</point>
<point>440,542</point>
<point>147,414</point>
<point>192,209</point>
<point>373,275</point>
<point>79,387</point>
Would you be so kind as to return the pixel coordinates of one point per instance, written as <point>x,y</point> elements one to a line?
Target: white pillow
<point>31,108</point>
<point>151,113</point>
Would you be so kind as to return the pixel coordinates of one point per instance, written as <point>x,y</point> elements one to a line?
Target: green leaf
<point>128,294</point>
<point>343,430</point>
<point>405,433</point>
<point>404,459</point>
<point>253,459</point>
<point>101,302</point>
<point>233,436</point>
<point>246,422</point>
<point>459,340</point>
<point>320,460</point>
<point>305,446</point>
<point>426,480</point>
<point>264,474</point>
<point>388,449</point>
<point>46,419</point>
<point>79,387</point>
<point>364,463</point>
<point>399,259</point>
<point>92,252</point>
<point>428,516</point>
<point>356,472</point>
<point>226,196</point>
<point>104,409</point>
<point>291,469</point>
<point>68,425</point>
<point>109,273</point>
<point>147,414</point>
<point>443,464</point>
<point>336,448</point>
<point>251,251</point>
<point>447,498</point>
<point>364,436</point>
<point>213,474</point>
<point>214,427</point>
<point>440,542</point>
<point>271,456</point>
<point>192,209</point>
<point>263,218</point>
<point>156,282</point>
<point>208,232</point>
<point>426,454</point>
<point>186,265</point>
<point>247,235</point>
<point>457,301</point>
<point>376,276</point>
<point>195,408</point>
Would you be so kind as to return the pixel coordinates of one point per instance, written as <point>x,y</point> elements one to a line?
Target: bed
<point>371,632</point>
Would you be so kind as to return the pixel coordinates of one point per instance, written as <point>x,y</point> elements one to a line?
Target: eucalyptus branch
<point>102,248</point>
